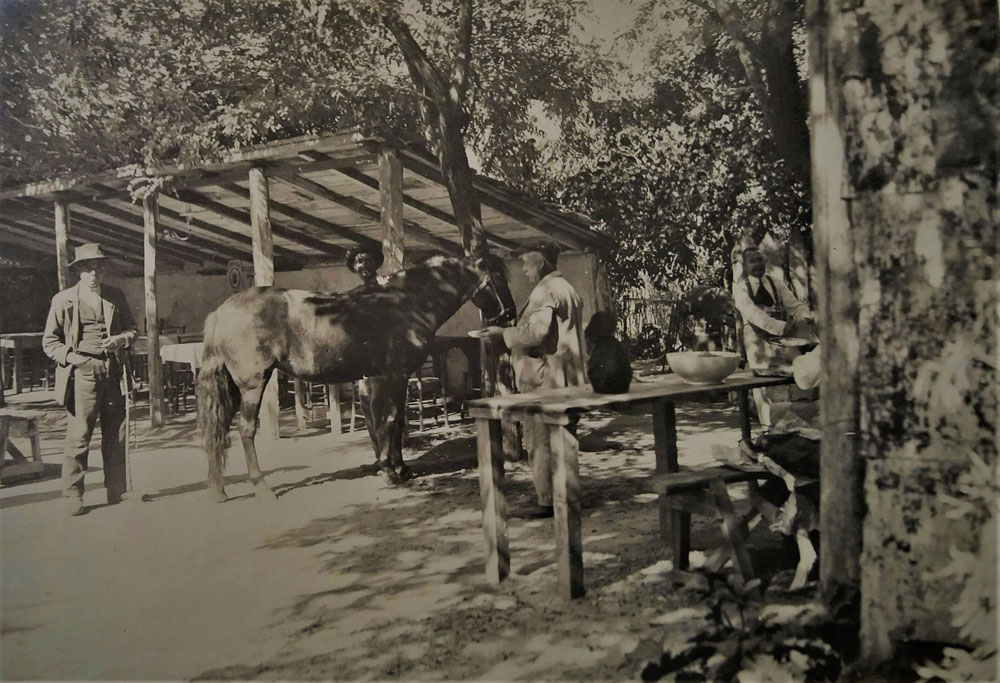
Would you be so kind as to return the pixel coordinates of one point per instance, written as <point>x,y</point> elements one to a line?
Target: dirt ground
<point>344,577</point>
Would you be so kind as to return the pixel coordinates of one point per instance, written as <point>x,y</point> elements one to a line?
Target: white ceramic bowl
<point>703,367</point>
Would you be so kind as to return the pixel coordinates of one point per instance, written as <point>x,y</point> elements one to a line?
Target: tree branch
<point>463,51</point>
<point>419,64</point>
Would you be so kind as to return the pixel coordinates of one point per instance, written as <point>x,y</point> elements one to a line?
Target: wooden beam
<point>131,219</point>
<point>37,231</point>
<point>550,226</point>
<point>62,243</point>
<point>350,142</point>
<point>263,275</point>
<point>216,251</point>
<point>416,232</point>
<point>433,212</point>
<point>302,217</point>
<point>192,197</point>
<point>106,232</point>
<point>155,364</point>
<point>390,184</point>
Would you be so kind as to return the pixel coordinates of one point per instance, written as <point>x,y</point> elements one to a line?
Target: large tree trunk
<point>919,116</point>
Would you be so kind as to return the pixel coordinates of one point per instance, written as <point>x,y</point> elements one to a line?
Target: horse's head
<point>492,294</point>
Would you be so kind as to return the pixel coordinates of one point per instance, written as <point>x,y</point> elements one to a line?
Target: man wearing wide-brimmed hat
<point>88,328</point>
<point>547,351</point>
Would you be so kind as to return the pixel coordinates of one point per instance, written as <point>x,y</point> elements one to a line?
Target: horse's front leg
<point>388,405</point>
<point>249,409</point>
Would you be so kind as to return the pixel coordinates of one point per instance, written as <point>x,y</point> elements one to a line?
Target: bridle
<point>507,313</point>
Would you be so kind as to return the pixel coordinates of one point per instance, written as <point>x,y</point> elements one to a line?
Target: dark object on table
<point>608,365</point>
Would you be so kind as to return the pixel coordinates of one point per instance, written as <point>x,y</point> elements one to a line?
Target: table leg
<point>566,501</point>
<point>489,439</point>
<point>18,369</point>
<point>675,526</point>
<point>744,403</point>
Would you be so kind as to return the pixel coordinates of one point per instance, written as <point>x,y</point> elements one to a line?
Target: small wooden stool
<point>20,423</point>
<point>703,491</point>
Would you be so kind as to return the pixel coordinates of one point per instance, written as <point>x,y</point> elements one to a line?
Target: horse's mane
<point>494,264</point>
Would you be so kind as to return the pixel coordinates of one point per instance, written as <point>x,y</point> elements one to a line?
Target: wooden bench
<point>704,491</point>
<point>19,423</point>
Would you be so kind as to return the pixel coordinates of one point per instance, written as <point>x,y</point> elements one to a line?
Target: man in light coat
<point>771,315</point>
<point>547,353</point>
<point>88,327</point>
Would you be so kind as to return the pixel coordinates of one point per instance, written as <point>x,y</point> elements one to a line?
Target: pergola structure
<point>283,205</point>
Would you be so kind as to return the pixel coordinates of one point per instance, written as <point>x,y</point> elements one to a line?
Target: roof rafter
<point>198,199</point>
<point>416,232</point>
<point>302,217</point>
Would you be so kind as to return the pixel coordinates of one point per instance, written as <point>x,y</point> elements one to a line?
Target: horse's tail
<point>218,399</point>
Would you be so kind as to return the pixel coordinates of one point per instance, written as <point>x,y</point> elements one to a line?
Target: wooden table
<point>17,342</point>
<point>560,409</point>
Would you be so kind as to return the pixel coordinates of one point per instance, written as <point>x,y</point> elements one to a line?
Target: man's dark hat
<point>549,250</point>
<point>88,252</point>
<point>374,252</point>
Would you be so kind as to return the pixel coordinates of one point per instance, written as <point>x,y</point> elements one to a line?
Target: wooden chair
<point>426,390</point>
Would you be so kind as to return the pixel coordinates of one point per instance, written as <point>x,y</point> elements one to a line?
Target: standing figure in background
<point>772,316</point>
<point>547,353</point>
<point>365,262</point>
<point>88,328</point>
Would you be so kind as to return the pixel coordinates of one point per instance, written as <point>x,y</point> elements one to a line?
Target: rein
<point>505,311</point>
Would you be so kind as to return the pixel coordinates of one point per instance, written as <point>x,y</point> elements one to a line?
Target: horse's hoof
<point>405,473</point>
<point>391,476</point>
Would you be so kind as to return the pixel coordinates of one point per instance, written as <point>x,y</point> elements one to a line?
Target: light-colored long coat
<point>547,344</point>
<point>62,329</point>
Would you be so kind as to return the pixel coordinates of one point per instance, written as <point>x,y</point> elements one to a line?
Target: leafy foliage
<point>679,172</point>
<point>97,84</point>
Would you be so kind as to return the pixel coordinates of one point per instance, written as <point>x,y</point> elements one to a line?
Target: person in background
<point>608,365</point>
<point>547,351</point>
<point>771,316</point>
<point>777,328</point>
<point>365,262</point>
<point>89,326</point>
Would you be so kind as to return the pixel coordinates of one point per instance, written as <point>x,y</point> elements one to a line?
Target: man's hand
<point>493,334</point>
<point>112,344</point>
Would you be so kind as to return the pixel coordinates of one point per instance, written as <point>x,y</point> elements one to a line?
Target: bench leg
<point>489,442</point>
<point>731,529</point>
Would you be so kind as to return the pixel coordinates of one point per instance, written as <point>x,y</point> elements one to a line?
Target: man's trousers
<point>98,396</point>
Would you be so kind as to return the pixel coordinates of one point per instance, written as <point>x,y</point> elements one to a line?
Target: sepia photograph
<point>499,340</point>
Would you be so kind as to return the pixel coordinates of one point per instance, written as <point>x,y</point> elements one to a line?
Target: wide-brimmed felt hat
<point>374,252</point>
<point>88,252</point>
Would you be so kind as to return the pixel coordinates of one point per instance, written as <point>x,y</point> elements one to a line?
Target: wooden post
<point>390,186</point>
<point>566,501</point>
<point>301,419</point>
<point>263,276</point>
<point>840,461</point>
<point>490,455</point>
<point>150,216</point>
<point>62,243</point>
